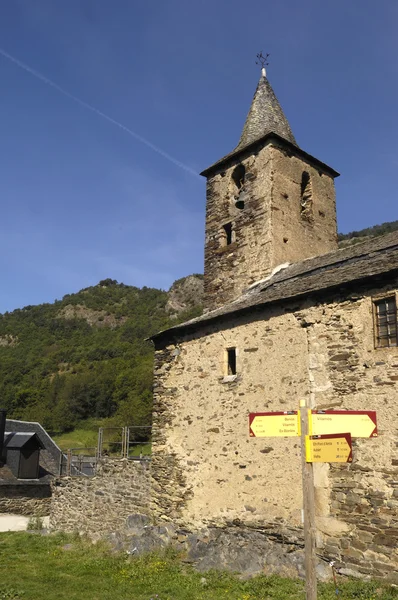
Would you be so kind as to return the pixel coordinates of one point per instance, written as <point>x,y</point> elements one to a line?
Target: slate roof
<point>18,440</point>
<point>352,264</point>
<point>266,121</point>
<point>265,116</point>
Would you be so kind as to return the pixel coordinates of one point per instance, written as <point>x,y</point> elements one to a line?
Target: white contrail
<point>98,112</point>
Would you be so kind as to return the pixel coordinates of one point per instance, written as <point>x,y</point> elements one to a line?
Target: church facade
<point>288,317</point>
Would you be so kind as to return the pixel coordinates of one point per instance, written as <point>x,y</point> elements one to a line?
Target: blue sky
<point>83,199</point>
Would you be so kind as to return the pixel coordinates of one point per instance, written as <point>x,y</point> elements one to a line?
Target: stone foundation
<point>26,500</point>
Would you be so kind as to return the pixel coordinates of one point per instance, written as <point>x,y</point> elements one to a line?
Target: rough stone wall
<point>323,350</point>
<point>101,504</point>
<point>357,504</point>
<point>272,228</point>
<point>299,231</point>
<point>202,416</point>
<point>231,268</point>
<point>26,500</point>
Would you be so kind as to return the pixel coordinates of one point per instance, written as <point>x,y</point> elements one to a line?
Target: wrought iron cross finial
<point>262,60</point>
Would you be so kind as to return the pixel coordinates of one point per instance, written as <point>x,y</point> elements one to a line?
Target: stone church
<point>288,317</point>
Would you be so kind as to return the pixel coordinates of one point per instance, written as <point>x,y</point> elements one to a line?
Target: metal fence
<point>79,461</point>
<point>126,442</point>
<point>134,443</point>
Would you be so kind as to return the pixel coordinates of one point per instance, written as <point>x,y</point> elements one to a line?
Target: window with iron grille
<point>386,322</point>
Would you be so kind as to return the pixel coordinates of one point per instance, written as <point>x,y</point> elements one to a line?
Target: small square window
<point>231,361</point>
<point>386,322</point>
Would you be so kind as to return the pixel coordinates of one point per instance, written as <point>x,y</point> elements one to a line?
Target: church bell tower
<point>268,203</point>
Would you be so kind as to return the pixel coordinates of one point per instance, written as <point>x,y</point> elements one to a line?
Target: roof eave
<point>186,328</point>
<point>262,141</point>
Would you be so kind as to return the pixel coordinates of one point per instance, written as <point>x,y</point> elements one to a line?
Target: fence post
<point>100,440</point>
<point>127,441</point>
<point>69,462</point>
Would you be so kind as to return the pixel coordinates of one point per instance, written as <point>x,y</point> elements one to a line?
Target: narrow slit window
<point>386,322</point>
<point>228,234</point>
<point>231,361</point>
<point>306,197</point>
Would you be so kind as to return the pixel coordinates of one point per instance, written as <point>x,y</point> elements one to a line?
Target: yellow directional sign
<point>274,424</point>
<point>360,423</point>
<point>328,448</point>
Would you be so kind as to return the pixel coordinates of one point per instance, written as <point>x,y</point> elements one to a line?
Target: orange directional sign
<point>328,448</point>
<point>274,424</point>
<point>360,423</point>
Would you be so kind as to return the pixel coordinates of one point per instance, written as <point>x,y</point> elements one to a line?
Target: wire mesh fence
<point>138,442</point>
<point>111,442</point>
<point>132,442</point>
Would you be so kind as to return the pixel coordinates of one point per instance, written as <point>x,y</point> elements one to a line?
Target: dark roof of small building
<point>51,454</point>
<point>8,479</point>
<point>13,439</point>
<point>358,262</point>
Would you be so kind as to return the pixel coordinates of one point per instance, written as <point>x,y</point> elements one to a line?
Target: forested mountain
<point>354,237</point>
<point>86,355</point>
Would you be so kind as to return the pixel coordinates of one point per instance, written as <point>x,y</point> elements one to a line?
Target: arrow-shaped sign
<point>360,423</point>
<point>328,448</point>
<point>274,424</point>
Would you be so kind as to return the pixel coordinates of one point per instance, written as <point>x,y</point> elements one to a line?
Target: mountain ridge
<point>85,356</point>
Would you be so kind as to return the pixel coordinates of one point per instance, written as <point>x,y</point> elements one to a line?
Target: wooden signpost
<point>325,437</point>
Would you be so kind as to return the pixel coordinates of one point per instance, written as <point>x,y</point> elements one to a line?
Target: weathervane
<point>263,61</point>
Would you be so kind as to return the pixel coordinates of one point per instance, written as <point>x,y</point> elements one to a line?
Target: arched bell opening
<point>238,177</point>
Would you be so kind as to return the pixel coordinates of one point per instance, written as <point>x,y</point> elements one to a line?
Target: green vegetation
<point>35,524</point>
<point>84,436</point>
<point>83,358</point>
<point>61,567</point>
<point>374,231</point>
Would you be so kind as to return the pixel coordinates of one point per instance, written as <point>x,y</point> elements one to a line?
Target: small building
<point>22,453</point>
<point>29,460</point>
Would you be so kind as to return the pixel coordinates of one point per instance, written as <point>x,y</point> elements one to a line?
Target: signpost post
<point>307,474</point>
<point>325,437</point>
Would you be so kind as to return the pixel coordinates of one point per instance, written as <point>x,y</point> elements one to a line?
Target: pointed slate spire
<point>265,116</point>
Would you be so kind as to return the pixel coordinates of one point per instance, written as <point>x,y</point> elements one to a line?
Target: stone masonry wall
<point>101,504</point>
<point>26,500</point>
<point>357,504</point>
<point>272,228</point>
<point>201,419</point>
<point>299,234</point>
<point>323,350</point>
<point>231,268</point>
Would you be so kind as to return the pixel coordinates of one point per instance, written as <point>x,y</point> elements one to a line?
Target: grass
<point>61,567</point>
<point>85,436</point>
